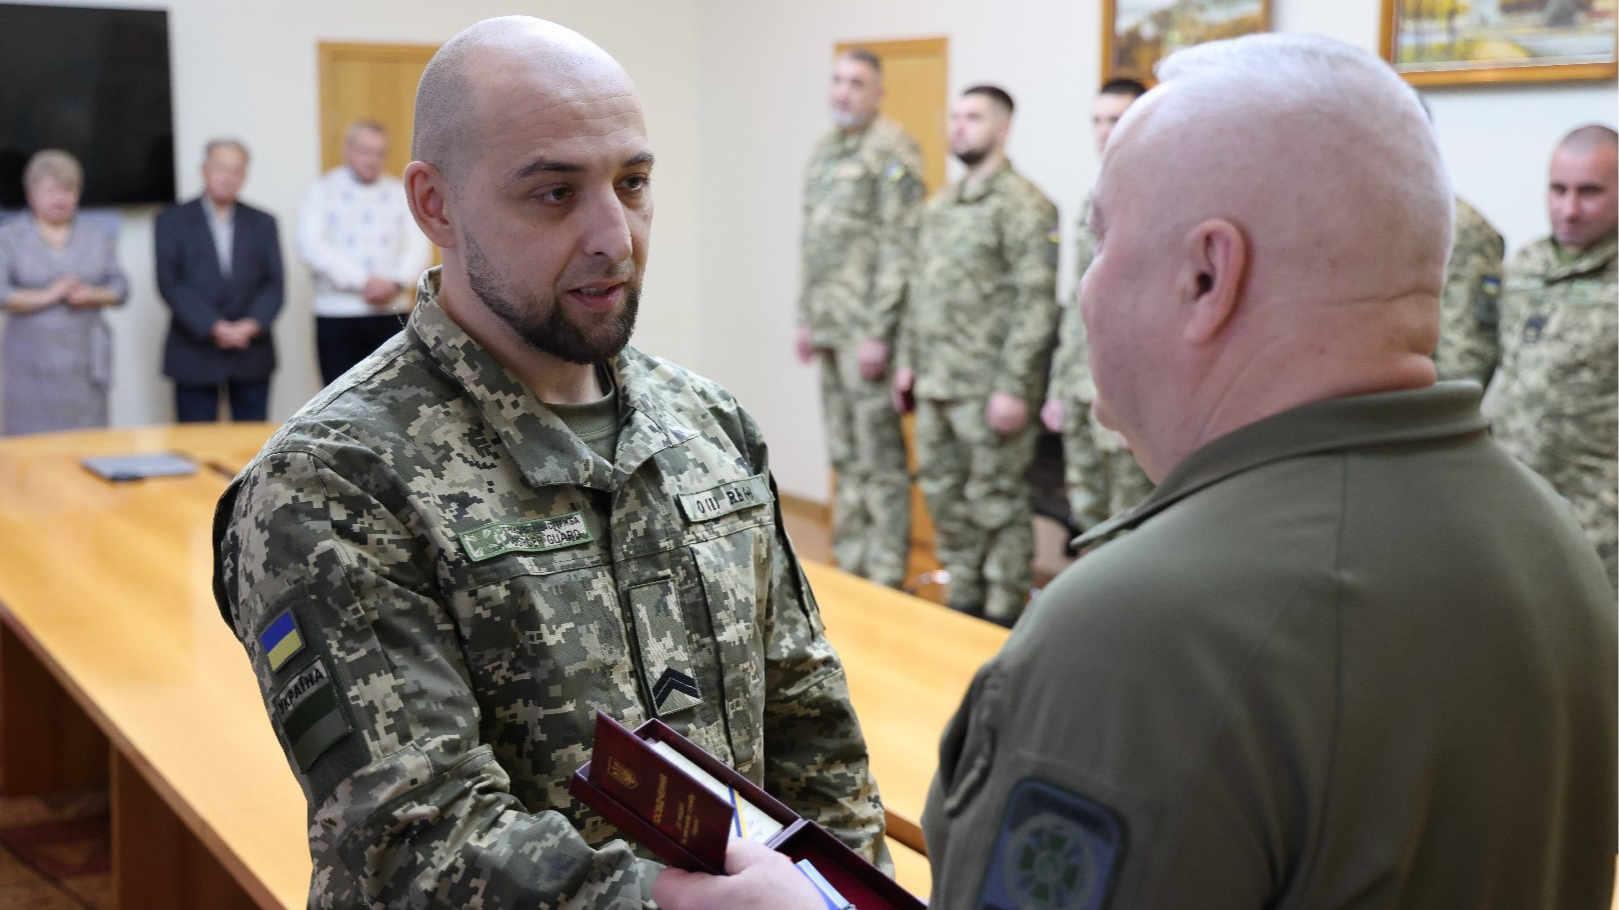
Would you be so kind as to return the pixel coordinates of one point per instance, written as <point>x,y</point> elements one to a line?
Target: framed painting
<point>1460,42</point>
<point>1136,34</point>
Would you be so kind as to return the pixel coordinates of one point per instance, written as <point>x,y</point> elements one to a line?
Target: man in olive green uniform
<point>1101,474</point>
<point>862,196</point>
<point>1351,655</point>
<point>1469,309</point>
<point>506,519</point>
<point>1555,401</point>
<point>973,358</point>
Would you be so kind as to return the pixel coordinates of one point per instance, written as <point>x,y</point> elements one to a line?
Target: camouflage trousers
<point>1102,480</point>
<point>871,507</point>
<point>974,481</point>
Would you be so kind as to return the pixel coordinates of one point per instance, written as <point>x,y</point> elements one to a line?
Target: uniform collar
<point>545,449</point>
<point>1447,409</point>
<point>1594,259</point>
<point>849,143</point>
<point>986,187</point>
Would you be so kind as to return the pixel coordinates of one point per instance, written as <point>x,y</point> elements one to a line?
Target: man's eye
<point>555,194</point>
<point>636,182</point>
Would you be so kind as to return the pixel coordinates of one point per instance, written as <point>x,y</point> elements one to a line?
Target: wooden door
<point>369,82</point>
<point>916,77</point>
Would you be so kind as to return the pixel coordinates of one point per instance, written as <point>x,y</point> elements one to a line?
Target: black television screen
<point>94,82</point>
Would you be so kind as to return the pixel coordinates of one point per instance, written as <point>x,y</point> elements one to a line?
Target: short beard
<point>544,325</point>
<point>971,157</point>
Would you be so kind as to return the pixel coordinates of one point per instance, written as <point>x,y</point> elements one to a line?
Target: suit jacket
<point>190,281</point>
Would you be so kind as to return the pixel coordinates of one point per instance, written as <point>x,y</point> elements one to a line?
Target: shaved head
<point>1582,189</point>
<point>1593,137</point>
<point>533,176</point>
<point>1317,150</point>
<point>1273,222</point>
<point>453,103</point>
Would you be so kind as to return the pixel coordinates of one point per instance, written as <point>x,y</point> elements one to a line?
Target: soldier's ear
<point>427,189</point>
<point>1214,268</point>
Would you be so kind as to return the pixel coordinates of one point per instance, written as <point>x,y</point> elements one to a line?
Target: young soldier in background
<point>981,311</point>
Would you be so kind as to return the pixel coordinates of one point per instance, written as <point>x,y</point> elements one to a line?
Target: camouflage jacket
<point>1070,373</point>
<point>982,305</point>
<point>438,584</point>
<point>1469,311</point>
<point>1070,363</point>
<point>1555,399</point>
<point>862,196</point>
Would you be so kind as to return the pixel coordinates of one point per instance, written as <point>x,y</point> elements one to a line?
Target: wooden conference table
<point>115,667</point>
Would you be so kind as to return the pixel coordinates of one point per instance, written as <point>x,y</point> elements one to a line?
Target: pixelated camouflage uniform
<point>1555,399</point>
<point>475,584</point>
<point>862,196</point>
<point>982,307</point>
<point>1103,478</point>
<point>1469,310</point>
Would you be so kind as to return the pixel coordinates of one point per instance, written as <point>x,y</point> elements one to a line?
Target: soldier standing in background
<point>862,197</point>
<point>980,313</point>
<point>1469,309</point>
<point>1101,475</point>
<point>1555,399</point>
<point>506,518</point>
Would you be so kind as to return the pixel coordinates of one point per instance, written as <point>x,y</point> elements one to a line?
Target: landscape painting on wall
<point>1136,34</point>
<point>1454,42</point>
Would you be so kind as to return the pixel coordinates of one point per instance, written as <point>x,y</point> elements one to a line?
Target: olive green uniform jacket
<point>1353,655</point>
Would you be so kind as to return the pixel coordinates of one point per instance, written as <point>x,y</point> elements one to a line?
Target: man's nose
<point>607,228</point>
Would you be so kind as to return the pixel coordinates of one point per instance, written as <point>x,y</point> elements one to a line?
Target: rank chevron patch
<point>671,682</point>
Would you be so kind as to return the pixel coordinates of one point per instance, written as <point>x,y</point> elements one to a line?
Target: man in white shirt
<point>356,234</point>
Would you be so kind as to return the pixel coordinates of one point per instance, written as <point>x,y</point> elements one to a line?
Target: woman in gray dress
<point>57,273</point>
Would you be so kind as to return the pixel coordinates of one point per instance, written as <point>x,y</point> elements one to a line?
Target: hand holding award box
<point>663,790</point>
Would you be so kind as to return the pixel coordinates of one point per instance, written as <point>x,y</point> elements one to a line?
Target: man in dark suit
<point>219,270</point>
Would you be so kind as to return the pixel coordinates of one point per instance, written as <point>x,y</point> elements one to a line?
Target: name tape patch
<point>725,499</point>
<point>536,535</point>
<point>309,715</point>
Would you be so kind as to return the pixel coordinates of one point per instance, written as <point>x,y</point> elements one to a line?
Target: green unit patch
<point>725,499</point>
<point>536,535</point>
<point>309,715</point>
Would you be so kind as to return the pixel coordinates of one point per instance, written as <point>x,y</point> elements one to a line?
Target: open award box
<point>664,791</point>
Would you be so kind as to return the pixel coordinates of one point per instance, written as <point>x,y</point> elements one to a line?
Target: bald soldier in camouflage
<point>980,314</point>
<point>506,519</point>
<point>1469,308</point>
<point>1555,400</point>
<point>862,195</point>
<point>1101,474</point>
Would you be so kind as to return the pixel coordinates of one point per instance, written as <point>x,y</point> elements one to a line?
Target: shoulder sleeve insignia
<point>307,710</point>
<point>281,640</point>
<point>1056,850</point>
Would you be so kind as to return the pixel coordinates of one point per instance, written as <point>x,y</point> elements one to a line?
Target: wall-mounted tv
<point>95,82</point>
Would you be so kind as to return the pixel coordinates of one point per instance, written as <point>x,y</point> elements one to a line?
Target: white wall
<point>764,72</point>
<point>247,68</point>
<point>735,94</point>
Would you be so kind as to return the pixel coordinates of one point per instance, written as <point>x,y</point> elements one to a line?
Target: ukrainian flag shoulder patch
<point>281,640</point>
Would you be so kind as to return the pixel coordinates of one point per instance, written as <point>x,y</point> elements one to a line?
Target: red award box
<point>650,783</point>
